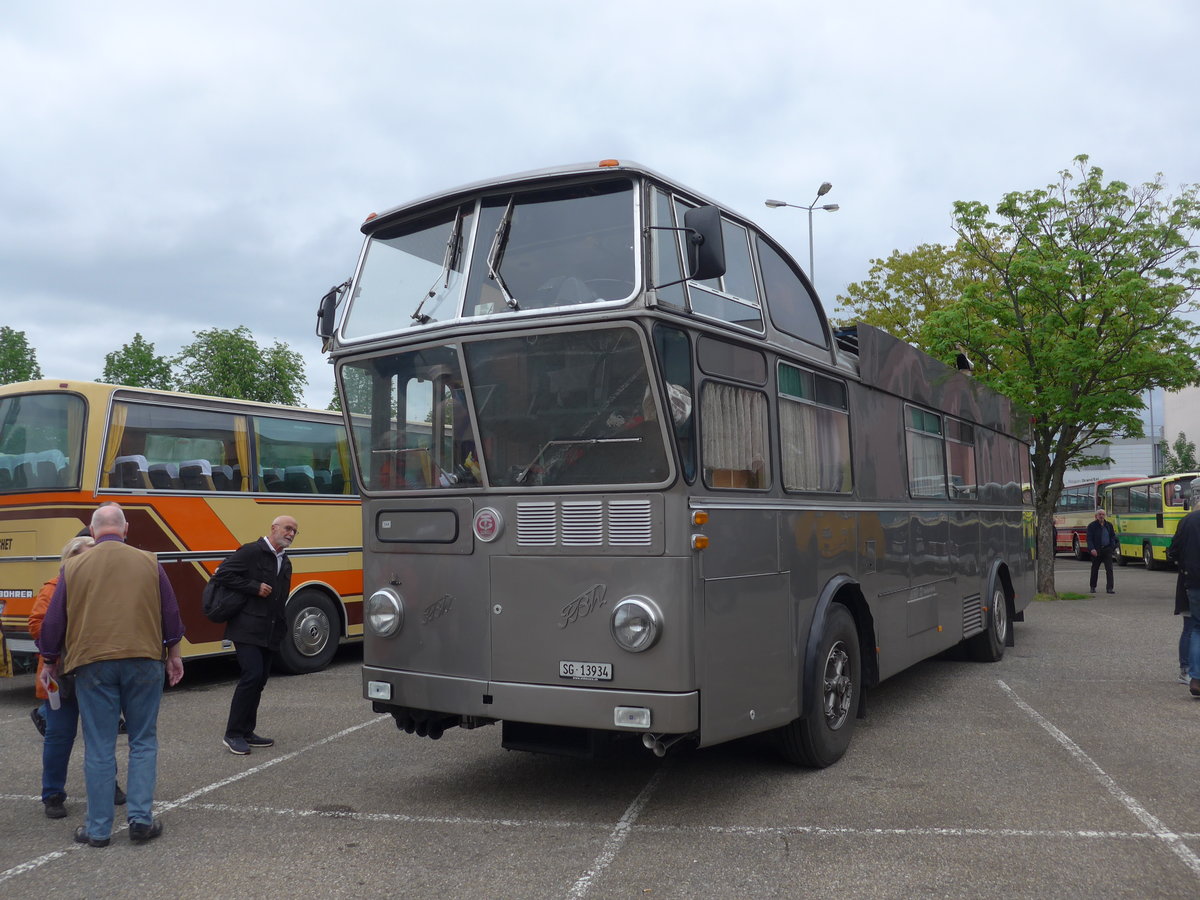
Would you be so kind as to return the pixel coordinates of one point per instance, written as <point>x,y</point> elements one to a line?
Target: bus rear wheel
<point>311,638</point>
<point>819,739</point>
<point>988,645</point>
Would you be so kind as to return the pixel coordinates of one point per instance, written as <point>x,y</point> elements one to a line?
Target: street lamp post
<point>828,207</point>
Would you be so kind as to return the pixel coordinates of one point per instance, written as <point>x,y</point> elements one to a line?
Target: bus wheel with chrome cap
<point>820,737</point>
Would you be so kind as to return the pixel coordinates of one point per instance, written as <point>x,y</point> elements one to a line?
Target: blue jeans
<point>61,726</point>
<point>1185,639</point>
<point>103,691</point>
<point>1193,595</point>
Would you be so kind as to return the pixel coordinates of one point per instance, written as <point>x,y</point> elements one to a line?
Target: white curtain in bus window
<point>926,461</point>
<point>733,421</point>
<point>814,431</point>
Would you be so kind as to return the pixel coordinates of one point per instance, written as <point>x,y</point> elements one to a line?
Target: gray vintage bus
<point>621,477</point>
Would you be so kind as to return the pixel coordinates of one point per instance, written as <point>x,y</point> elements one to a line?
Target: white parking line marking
<point>1170,838</point>
<point>161,806</point>
<point>618,836</point>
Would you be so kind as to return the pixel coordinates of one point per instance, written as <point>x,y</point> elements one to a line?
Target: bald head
<point>108,519</point>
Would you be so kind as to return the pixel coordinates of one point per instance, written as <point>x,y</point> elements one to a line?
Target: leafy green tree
<point>1081,306</point>
<point>18,361</point>
<point>1179,457</point>
<point>900,292</point>
<point>228,363</point>
<point>137,365</point>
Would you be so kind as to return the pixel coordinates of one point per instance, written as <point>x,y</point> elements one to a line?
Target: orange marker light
<point>699,541</point>
<point>609,163</point>
<point>370,217</point>
<point>699,517</point>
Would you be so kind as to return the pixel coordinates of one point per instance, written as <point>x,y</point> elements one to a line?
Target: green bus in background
<point>1145,514</point>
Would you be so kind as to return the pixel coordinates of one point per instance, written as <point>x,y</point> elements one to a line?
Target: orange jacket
<point>40,604</point>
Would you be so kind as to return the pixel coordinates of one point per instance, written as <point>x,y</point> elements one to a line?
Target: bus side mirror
<point>705,243</point>
<point>327,313</point>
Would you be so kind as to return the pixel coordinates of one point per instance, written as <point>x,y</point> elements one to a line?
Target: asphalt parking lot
<point>1069,769</point>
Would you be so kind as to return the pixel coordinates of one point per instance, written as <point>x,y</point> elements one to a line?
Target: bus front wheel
<point>819,739</point>
<point>1148,556</point>
<point>1080,553</point>
<point>311,638</point>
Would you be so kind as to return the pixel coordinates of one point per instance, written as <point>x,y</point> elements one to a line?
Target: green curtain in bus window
<point>116,432</point>
<point>241,437</point>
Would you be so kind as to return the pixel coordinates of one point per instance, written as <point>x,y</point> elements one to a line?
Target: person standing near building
<point>1185,550</point>
<point>1101,542</point>
<point>262,573</point>
<point>112,620</point>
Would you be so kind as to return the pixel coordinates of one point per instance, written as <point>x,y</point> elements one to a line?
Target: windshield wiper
<point>496,255</point>
<point>448,261</point>
<point>565,442</point>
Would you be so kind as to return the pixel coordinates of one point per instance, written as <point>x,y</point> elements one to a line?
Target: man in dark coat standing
<point>1101,542</point>
<point>262,573</point>
<point>1185,550</point>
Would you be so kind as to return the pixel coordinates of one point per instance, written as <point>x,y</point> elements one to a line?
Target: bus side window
<point>733,422</point>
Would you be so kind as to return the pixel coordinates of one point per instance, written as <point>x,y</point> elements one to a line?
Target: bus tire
<point>988,645</point>
<point>1079,552</point>
<point>1148,557</point>
<point>820,739</point>
<point>312,632</point>
<point>1120,558</point>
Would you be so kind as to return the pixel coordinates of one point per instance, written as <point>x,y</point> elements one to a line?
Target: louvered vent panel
<point>972,616</point>
<point>582,523</point>
<point>537,524</point>
<point>629,523</point>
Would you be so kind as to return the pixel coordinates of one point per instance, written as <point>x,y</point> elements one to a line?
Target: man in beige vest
<point>115,613</point>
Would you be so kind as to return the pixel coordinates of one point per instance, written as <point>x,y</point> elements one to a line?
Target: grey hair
<point>75,546</point>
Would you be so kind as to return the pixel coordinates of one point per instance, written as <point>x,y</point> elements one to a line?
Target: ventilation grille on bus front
<point>583,523</point>
<point>972,615</point>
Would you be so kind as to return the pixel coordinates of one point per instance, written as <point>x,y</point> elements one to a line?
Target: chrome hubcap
<point>839,686</point>
<point>310,633</point>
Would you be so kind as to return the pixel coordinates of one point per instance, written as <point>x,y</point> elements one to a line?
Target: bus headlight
<point>636,624</point>
<point>384,613</point>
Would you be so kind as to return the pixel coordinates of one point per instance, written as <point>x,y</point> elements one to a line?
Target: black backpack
<point>220,603</point>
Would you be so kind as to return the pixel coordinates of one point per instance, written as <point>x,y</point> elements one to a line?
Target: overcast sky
<point>167,168</point>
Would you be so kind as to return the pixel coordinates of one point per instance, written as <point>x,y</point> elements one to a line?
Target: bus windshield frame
<point>565,408</point>
<point>537,249</point>
<point>41,441</point>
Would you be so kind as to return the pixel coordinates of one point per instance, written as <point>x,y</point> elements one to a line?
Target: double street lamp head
<point>824,189</point>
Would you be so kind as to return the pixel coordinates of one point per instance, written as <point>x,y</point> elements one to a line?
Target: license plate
<point>585,671</point>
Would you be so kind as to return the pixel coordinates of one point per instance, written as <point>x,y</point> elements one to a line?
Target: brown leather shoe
<point>1194,687</point>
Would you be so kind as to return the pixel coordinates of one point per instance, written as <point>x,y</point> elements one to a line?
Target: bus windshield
<point>41,441</point>
<point>562,408</point>
<point>531,250</point>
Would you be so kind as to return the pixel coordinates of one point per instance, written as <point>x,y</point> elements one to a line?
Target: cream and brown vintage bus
<point>196,477</point>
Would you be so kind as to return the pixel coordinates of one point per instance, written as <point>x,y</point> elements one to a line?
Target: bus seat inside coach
<point>165,476</point>
<point>299,480</point>
<point>223,480</point>
<point>130,472</point>
<point>196,475</point>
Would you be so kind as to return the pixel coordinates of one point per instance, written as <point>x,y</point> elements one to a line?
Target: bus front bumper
<point>571,705</point>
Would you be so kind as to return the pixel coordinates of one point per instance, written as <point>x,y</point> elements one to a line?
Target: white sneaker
<point>1183,675</point>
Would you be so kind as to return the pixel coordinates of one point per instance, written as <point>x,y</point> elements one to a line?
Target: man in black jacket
<point>1101,542</point>
<point>261,572</point>
<point>1185,551</point>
